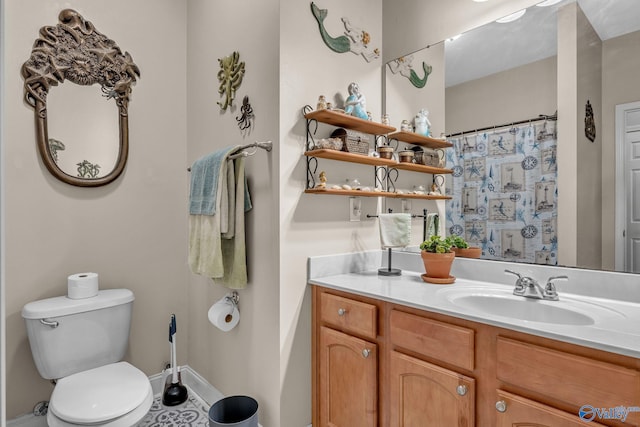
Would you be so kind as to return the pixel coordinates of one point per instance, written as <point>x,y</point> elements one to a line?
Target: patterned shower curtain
<point>504,192</point>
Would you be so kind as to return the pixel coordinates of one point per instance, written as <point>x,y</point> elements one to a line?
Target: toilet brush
<point>174,393</point>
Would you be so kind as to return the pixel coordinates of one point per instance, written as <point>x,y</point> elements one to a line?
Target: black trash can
<point>236,411</point>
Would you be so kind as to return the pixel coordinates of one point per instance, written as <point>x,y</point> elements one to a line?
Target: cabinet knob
<point>341,312</point>
<point>366,352</point>
<point>501,406</point>
<point>461,390</point>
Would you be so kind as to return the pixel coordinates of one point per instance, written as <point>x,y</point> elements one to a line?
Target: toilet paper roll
<point>224,315</point>
<point>82,285</point>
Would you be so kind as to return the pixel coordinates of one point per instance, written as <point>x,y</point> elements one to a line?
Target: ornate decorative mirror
<point>75,51</point>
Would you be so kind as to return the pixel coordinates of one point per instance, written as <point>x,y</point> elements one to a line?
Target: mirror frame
<point>74,50</point>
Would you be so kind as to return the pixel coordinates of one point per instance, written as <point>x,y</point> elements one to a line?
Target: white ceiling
<point>496,47</point>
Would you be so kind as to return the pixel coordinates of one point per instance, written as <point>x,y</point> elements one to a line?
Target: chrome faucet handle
<point>550,292</point>
<point>526,286</point>
<point>514,273</point>
<point>519,290</point>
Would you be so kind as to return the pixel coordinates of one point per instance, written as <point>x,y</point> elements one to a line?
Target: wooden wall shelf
<point>422,168</point>
<point>350,157</point>
<point>337,118</point>
<point>360,193</point>
<point>414,138</point>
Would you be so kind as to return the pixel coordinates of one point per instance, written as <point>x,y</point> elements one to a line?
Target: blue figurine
<point>356,105</point>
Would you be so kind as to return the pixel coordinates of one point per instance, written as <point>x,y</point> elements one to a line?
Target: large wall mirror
<point>82,130</point>
<point>574,58</point>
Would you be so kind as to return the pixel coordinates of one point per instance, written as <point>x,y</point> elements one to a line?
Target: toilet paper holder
<point>233,298</point>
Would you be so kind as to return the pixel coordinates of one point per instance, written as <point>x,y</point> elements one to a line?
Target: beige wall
<point>501,98</point>
<point>313,224</point>
<point>246,359</point>
<point>620,62</point>
<point>132,232</point>
<point>579,173</point>
<point>589,154</point>
<point>567,134</point>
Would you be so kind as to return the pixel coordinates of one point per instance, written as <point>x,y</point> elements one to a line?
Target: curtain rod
<point>540,117</point>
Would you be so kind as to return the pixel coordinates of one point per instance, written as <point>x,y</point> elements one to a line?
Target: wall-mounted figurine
<point>404,66</point>
<point>356,104</point>
<point>245,119</point>
<point>230,76</point>
<point>354,40</point>
<point>422,123</point>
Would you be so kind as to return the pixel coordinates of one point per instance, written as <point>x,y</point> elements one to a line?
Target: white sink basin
<point>501,302</point>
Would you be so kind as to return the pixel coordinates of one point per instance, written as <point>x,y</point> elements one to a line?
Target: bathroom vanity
<point>401,352</point>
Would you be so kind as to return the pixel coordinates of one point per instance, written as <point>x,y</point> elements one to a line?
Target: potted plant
<point>437,257</point>
<point>462,248</point>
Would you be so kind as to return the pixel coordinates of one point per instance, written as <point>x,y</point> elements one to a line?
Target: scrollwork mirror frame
<point>74,50</point>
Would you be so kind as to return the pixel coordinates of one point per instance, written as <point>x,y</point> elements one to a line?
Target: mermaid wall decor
<point>354,39</point>
<point>404,66</point>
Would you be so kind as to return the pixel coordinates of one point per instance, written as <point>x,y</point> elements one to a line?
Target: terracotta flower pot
<point>437,265</point>
<point>470,252</point>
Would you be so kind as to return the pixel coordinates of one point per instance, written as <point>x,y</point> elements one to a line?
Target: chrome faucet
<point>550,292</point>
<point>529,288</point>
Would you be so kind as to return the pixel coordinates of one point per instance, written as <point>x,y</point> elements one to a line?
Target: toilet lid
<point>99,394</point>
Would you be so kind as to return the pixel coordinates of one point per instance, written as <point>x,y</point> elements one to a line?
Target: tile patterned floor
<point>193,413</point>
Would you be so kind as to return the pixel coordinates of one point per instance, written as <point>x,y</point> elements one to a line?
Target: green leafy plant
<point>436,244</point>
<point>457,242</point>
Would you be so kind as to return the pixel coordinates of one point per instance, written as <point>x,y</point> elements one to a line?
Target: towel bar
<point>241,151</point>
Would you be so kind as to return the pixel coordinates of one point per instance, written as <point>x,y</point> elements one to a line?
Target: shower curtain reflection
<point>504,191</point>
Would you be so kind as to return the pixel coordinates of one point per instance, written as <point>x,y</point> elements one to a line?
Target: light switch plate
<point>355,209</point>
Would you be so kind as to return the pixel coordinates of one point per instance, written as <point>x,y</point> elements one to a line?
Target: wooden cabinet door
<point>348,369</point>
<point>423,394</point>
<point>518,412</point>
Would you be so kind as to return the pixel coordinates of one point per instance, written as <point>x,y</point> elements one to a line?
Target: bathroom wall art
<point>246,117</point>
<point>354,39</point>
<point>230,77</point>
<point>404,66</point>
<point>504,192</point>
<point>589,122</point>
<point>75,51</point>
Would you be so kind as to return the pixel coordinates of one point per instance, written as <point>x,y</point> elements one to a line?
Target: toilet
<point>80,344</point>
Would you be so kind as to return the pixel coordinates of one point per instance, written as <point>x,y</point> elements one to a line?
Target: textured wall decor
<point>404,66</point>
<point>589,123</point>
<point>504,194</point>
<point>75,51</point>
<point>354,39</point>
<point>246,117</point>
<point>230,77</point>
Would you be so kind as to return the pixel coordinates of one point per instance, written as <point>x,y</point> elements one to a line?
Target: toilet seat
<point>113,395</point>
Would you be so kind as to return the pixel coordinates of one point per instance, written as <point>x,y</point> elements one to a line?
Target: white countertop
<point>616,326</point>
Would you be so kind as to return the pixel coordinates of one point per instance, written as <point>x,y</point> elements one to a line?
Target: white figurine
<point>423,126</point>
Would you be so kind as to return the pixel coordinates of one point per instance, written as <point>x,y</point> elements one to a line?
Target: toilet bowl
<point>114,395</point>
<point>80,343</point>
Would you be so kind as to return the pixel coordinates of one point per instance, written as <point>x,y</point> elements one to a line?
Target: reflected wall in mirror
<point>83,142</point>
<point>554,58</point>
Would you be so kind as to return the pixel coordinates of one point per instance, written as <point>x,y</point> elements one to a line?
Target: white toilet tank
<point>73,335</point>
